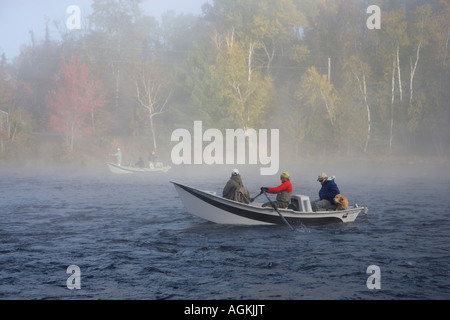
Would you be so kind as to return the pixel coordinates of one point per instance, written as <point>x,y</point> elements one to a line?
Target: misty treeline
<point>310,68</point>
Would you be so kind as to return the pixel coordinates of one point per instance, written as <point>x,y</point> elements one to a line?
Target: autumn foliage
<point>74,102</point>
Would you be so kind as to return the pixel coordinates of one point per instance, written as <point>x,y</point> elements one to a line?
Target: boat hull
<point>114,168</point>
<point>211,207</point>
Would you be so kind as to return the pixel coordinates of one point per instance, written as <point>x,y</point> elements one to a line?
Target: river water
<point>131,238</point>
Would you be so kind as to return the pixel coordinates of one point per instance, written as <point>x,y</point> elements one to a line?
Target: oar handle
<point>253,199</point>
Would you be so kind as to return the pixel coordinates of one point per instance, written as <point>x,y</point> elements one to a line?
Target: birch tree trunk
<point>150,98</point>
<point>413,71</point>
<point>327,107</point>
<point>152,128</point>
<point>399,74</point>
<point>391,131</point>
<point>363,90</point>
<point>446,45</point>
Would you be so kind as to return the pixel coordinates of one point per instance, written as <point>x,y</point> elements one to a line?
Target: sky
<point>19,17</point>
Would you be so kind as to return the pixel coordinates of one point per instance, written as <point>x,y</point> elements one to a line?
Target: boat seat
<point>294,205</point>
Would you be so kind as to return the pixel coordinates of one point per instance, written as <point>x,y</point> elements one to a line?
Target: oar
<point>278,211</point>
<point>253,199</point>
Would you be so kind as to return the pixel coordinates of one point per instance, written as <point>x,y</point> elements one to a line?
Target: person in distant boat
<point>118,156</point>
<point>283,191</point>
<point>327,193</point>
<point>152,159</point>
<point>140,163</point>
<point>235,190</point>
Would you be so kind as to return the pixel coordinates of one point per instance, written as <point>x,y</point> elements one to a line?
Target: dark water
<point>132,239</point>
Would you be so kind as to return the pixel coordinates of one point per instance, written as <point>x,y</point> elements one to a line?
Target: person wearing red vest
<point>283,192</point>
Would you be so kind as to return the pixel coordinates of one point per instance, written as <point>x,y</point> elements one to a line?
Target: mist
<point>348,90</point>
<point>354,89</point>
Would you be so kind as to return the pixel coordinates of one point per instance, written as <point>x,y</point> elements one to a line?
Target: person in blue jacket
<point>326,194</point>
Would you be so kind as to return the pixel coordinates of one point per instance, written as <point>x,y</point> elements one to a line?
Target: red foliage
<point>77,96</point>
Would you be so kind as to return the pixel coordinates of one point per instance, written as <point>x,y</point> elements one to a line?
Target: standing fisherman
<point>118,156</point>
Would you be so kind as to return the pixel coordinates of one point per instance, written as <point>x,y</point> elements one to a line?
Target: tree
<point>315,90</point>
<point>36,65</point>
<point>317,95</point>
<point>203,89</point>
<point>360,72</point>
<point>395,35</point>
<point>276,23</point>
<point>152,95</point>
<point>119,37</point>
<point>246,90</point>
<point>6,92</point>
<point>441,40</point>
<point>12,114</point>
<point>74,102</point>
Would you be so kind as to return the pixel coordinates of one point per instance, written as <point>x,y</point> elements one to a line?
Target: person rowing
<point>283,192</point>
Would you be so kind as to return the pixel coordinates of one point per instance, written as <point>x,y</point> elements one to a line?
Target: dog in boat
<point>342,202</point>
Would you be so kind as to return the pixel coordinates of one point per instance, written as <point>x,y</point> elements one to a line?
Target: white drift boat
<point>209,206</point>
<point>114,168</point>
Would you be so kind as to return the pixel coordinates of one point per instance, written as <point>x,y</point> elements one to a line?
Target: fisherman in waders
<point>235,190</point>
<point>283,191</point>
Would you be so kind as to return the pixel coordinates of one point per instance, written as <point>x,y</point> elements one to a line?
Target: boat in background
<point>115,168</point>
<point>207,205</point>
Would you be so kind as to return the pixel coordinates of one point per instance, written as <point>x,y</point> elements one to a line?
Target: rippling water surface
<point>132,238</point>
